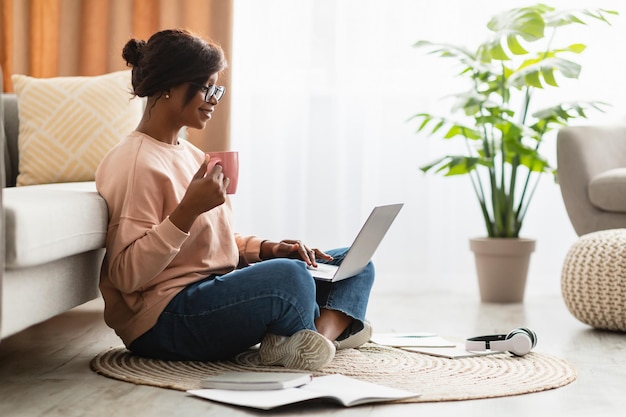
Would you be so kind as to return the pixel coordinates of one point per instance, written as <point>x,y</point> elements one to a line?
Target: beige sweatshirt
<point>149,260</point>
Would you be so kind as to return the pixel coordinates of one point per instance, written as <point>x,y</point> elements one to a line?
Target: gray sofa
<point>591,167</point>
<point>53,237</point>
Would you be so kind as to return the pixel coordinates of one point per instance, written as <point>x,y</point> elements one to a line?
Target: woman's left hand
<point>295,249</point>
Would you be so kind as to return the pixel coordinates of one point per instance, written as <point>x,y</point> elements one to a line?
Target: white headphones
<point>519,342</point>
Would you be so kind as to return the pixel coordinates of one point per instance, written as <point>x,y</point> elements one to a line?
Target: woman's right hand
<point>206,191</point>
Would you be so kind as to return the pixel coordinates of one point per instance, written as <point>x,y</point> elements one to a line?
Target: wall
<point>322,91</point>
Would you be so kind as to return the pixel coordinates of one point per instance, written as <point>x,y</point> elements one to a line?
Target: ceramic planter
<point>502,267</point>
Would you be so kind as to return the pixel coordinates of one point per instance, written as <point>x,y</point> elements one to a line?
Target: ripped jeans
<point>221,316</point>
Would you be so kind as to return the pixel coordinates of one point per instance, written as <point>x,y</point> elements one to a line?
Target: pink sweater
<point>148,259</point>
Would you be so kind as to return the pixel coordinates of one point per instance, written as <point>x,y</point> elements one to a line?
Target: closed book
<point>256,381</point>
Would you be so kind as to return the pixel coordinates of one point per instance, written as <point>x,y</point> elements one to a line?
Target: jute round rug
<point>438,379</point>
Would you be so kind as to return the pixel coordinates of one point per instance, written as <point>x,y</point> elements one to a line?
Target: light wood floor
<point>44,370</point>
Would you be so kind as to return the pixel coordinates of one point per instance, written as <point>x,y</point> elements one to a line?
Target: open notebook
<point>363,247</point>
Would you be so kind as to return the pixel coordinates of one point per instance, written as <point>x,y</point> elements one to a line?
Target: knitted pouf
<point>593,280</point>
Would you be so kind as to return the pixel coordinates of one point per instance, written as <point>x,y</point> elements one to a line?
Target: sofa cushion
<point>607,191</point>
<point>67,124</point>
<point>44,223</point>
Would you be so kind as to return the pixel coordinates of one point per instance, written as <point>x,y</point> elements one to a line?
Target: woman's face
<point>197,112</point>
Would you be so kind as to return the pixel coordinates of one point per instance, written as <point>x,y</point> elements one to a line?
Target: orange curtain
<point>6,38</point>
<point>47,38</point>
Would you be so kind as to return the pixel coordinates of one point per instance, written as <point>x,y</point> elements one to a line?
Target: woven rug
<point>437,379</point>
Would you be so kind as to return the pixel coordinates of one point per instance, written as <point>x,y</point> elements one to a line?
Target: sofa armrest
<point>583,152</point>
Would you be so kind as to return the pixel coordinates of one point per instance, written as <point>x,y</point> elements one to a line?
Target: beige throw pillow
<point>68,124</point>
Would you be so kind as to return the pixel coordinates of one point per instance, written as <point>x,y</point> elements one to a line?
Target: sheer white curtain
<point>322,90</point>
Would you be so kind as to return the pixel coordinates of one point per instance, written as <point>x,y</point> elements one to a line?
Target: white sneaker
<point>305,349</point>
<point>357,339</point>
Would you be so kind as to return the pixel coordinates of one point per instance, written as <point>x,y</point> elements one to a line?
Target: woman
<point>178,283</point>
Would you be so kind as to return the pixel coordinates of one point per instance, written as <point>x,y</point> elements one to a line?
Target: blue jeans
<point>221,316</point>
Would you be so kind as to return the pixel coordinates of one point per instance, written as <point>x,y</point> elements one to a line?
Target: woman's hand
<point>293,249</point>
<point>206,191</point>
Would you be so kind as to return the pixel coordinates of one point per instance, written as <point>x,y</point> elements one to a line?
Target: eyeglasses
<point>210,91</point>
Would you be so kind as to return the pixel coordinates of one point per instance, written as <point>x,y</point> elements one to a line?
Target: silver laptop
<point>363,247</point>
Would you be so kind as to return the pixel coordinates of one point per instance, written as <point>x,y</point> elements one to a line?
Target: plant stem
<point>481,200</point>
<point>522,208</point>
<point>479,191</point>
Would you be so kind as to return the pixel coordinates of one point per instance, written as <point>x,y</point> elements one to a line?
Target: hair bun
<point>133,51</point>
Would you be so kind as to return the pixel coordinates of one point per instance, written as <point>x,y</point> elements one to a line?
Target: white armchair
<point>591,171</point>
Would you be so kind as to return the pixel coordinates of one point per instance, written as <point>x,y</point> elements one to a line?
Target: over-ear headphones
<point>519,342</point>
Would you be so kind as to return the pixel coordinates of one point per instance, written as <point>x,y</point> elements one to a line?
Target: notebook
<point>363,247</point>
<point>256,380</point>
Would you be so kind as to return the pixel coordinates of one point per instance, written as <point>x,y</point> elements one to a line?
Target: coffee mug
<point>229,160</point>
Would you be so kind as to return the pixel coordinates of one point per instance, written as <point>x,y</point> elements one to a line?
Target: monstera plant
<point>503,131</point>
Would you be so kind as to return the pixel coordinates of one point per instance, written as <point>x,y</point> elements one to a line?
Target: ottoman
<point>593,279</point>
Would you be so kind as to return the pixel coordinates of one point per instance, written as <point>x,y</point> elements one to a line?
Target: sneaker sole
<point>306,349</point>
<point>357,339</point>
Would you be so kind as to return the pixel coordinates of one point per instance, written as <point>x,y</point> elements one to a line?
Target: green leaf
<point>458,130</point>
<point>567,17</point>
<point>526,23</point>
<point>460,165</point>
<point>438,126</point>
<point>455,128</point>
<point>536,163</point>
<point>450,165</point>
<point>471,102</point>
<point>532,79</point>
<point>445,50</point>
<point>532,71</point>
<point>576,48</point>
<point>423,125</point>
<point>430,166</point>
<point>563,18</point>
<point>561,113</point>
<point>510,131</point>
<point>548,76</point>
<point>515,46</point>
<point>496,51</point>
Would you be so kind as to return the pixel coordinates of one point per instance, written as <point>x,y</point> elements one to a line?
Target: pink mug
<point>229,160</point>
